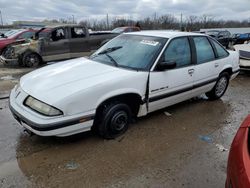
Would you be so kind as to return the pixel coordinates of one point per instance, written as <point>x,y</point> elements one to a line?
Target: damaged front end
<point>14,52</point>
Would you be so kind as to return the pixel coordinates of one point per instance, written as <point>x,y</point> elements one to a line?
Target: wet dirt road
<point>177,150</point>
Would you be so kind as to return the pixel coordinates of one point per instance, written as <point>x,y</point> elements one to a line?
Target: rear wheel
<point>31,59</point>
<point>114,120</point>
<point>220,87</point>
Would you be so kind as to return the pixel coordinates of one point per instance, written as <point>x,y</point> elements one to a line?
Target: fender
<point>118,92</point>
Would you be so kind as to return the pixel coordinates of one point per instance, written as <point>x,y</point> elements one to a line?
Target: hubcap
<point>119,121</point>
<point>221,86</point>
<point>32,60</point>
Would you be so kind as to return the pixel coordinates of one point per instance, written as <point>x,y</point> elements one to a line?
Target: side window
<point>179,51</point>
<point>26,35</point>
<point>77,32</point>
<point>58,34</point>
<point>204,50</point>
<point>220,50</point>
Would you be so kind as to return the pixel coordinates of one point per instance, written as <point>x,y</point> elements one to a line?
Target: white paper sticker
<point>149,42</point>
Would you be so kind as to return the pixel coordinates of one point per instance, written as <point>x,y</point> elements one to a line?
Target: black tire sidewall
<point>28,54</point>
<point>212,94</point>
<point>108,113</point>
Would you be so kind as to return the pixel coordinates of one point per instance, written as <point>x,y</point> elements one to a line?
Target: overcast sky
<point>13,10</point>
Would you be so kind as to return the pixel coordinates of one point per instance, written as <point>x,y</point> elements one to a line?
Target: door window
<point>58,34</point>
<point>178,51</point>
<point>204,50</point>
<point>220,51</point>
<point>77,32</point>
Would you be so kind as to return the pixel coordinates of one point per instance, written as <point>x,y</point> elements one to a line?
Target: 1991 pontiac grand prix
<point>130,76</point>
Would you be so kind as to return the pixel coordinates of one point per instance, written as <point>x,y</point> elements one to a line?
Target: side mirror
<point>164,65</point>
<point>1,35</point>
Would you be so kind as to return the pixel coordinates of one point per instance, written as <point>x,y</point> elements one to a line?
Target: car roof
<point>165,33</point>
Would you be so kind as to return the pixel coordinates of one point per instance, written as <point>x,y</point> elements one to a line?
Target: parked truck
<point>54,43</point>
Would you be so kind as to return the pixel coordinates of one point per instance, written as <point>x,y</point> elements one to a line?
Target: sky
<point>32,10</point>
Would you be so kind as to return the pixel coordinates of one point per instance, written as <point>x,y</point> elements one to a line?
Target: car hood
<point>5,40</point>
<point>60,80</point>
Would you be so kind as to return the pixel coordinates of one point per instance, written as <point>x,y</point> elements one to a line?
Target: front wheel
<point>31,59</point>
<point>220,87</point>
<point>114,120</point>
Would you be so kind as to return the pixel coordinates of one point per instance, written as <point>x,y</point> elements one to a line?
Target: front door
<point>173,85</point>
<point>57,47</point>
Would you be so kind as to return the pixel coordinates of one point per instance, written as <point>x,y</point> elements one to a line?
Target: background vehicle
<point>241,38</point>
<point>13,36</point>
<point>244,52</point>
<point>130,76</point>
<point>55,43</point>
<point>238,168</point>
<point>224,37</point>
<point>125,29</point>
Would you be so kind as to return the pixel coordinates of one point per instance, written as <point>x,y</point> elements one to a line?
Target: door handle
<point>216,64</point>
<point>191,71</point>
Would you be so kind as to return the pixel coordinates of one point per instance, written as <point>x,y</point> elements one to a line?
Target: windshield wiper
<point>108,50</point>
<point>112,59</point>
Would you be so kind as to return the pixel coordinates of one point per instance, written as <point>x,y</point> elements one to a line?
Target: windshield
<point>214,33</point>
<point>118,30</point>
<point>130,51</point>
<point>12,33</point>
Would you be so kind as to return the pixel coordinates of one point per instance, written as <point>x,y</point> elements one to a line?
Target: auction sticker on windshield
<point>149,42</point>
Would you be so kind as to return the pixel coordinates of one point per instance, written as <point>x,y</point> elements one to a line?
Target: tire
<point>31,59</point>
<point>220,87</point>
<point>114,120</point>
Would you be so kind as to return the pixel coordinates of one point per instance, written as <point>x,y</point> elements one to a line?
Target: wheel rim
<point>32,60</point>
<point>221,86</point>
<point>119,121</point>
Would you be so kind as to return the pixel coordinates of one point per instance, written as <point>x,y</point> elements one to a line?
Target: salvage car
<point>238,168</point>
<point>241,38</point>
<point>224,37</point>
<point>13,36</point>
<point>244,52</point>
<point>130,76</point>
<point>55,43</point>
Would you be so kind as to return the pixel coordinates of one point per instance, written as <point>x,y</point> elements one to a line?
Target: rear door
<point>79,42</point>
<point>174,85</point>
<point>207,67</point>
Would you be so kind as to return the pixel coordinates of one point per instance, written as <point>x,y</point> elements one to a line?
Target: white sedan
<point>130,76</point>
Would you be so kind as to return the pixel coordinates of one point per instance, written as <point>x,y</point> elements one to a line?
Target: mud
<point>160,150</point>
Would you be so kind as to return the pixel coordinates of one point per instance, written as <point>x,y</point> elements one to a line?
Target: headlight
<point>41,107</point>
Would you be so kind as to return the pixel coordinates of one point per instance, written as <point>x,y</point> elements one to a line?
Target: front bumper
<point>47,126</point>
<point>7,61</point>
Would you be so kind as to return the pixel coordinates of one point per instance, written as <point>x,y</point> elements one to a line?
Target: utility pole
<point>73,18</point>
<point>181,23</point>
<point>107,21</point>
<point>1,17</point>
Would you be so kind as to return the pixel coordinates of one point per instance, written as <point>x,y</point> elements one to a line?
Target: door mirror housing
<point>164,65</point>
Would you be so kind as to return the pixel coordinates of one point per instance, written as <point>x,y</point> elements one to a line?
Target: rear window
<point>220,50</point>
<point>204,50</point>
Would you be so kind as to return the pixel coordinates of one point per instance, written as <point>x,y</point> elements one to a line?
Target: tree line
<point>168,21</point>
